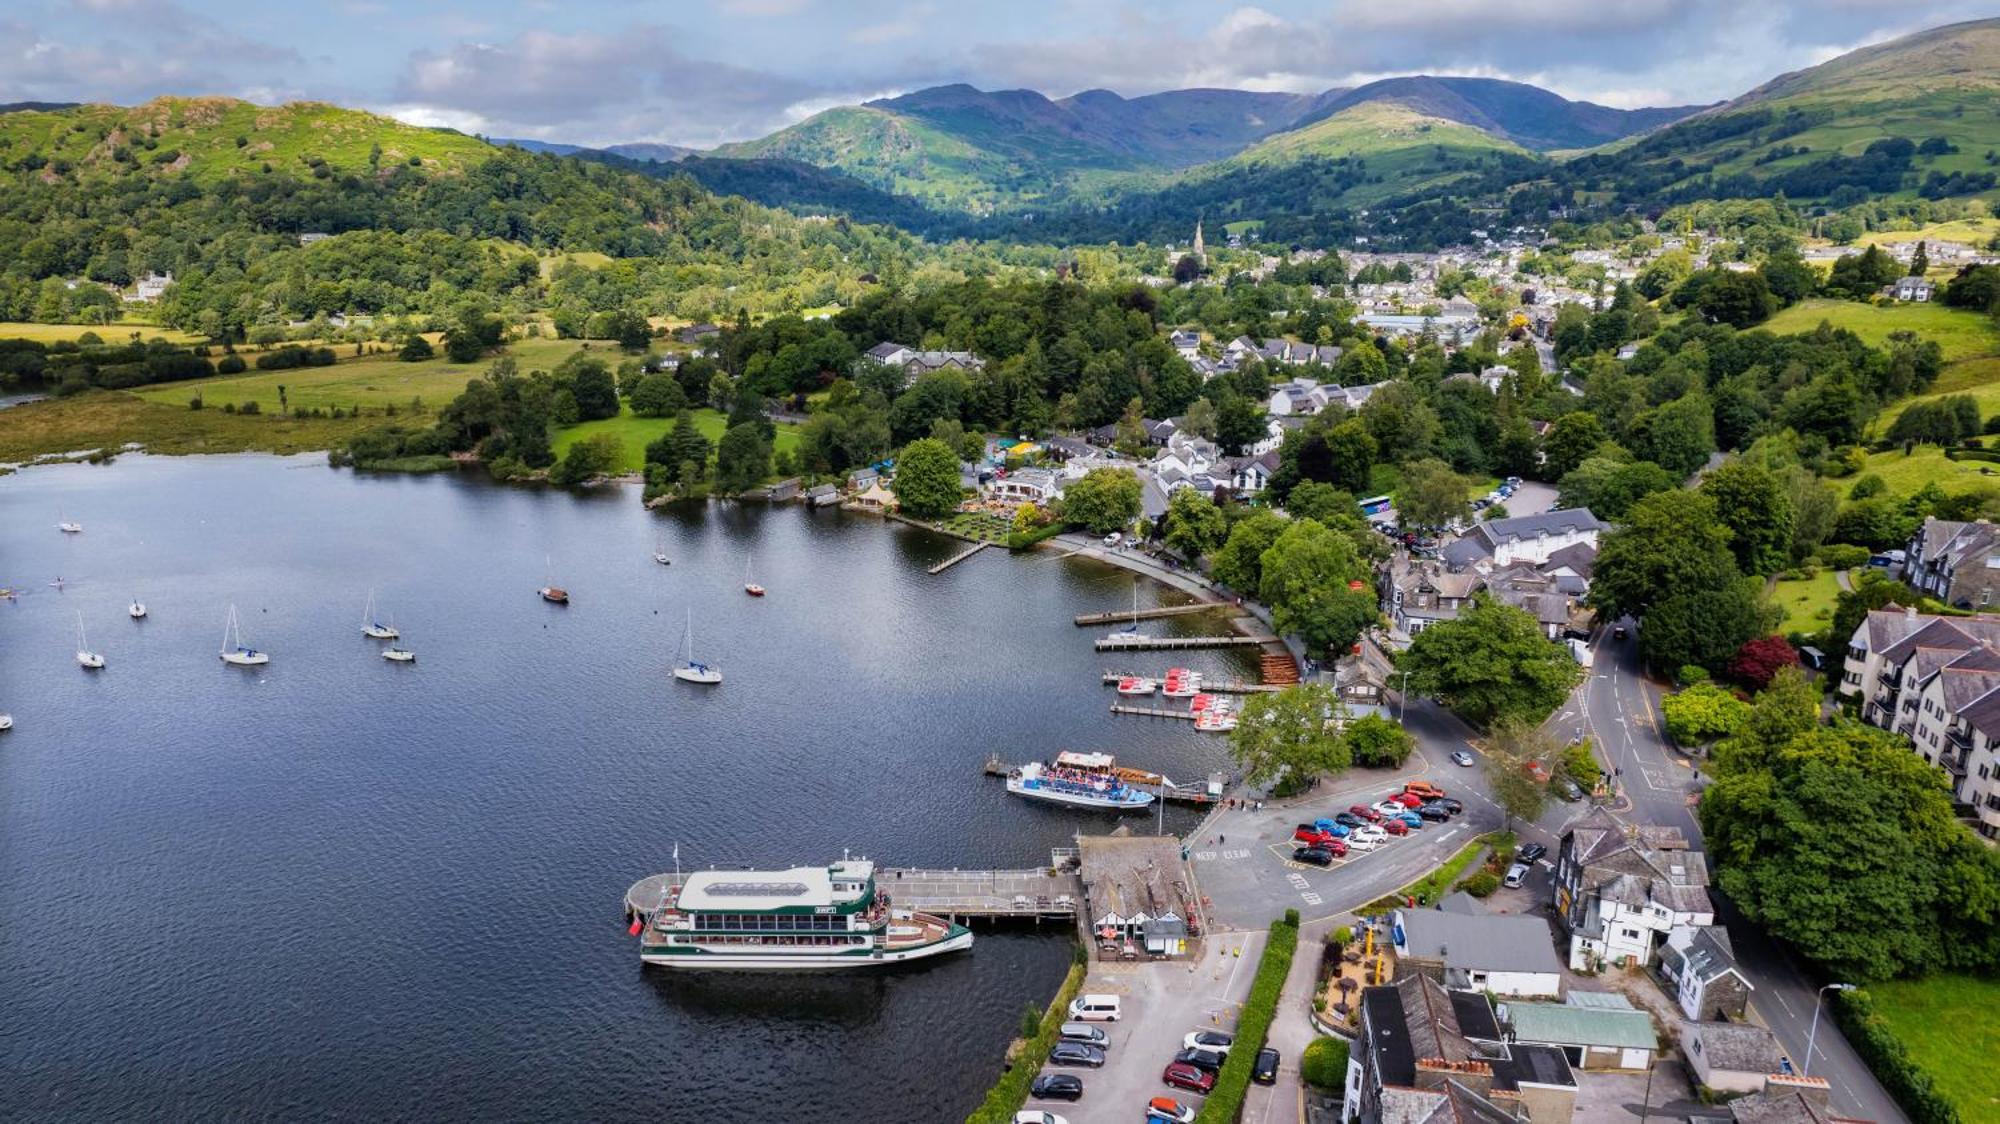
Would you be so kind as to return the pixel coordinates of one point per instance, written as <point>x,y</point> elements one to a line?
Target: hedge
<point>1225,1101</point>
<point>1324,1064</point>
<point>1889,1061</point>
<point>1009,1093</point>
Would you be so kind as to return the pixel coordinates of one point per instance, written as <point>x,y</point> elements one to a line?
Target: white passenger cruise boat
<point>808,917</point>
<point>1081,780</point>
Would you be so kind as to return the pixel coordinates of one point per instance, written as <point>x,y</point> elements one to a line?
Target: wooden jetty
<point>1131,642</point>
<point>1232,687</point>
<point>961,556</point>
<point>1047,893</point>
<point>1153,711</point>
<point>1084,620</point>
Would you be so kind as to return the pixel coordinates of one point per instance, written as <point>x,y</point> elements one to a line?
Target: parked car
<point>1424,789</point>
<point>1317,856</point>
<point>1349,819</point>
<point>1057,1087</point>
<point>1076,1053</point>
<point>1333,827</point>
<point>1215,1040</point>
<point>1265,1072</point>
<point>1366,842</point>
<point>1310,836</point>
<point>1407,799</point>
<point>1463,759</point>
<point>1450,805</point>
<point>1529,852</point>
<point>1199,1058</point>
<point>1183,1076</point>
<point>1618,632</point>
<point>1369,834</point>
<point>1394,825</point>
<point>1516,874</point>
<point>1113,539</point>
<point>1434,812</point>
<point>1410,819</point>
<point>1568,790</point>
<point>1386,809</point>
<point>1037,1116</point>
<point>1169,1110</point>
<point>1083,1032</point>
<point>1095,1008</point>
<point>1366,813</point>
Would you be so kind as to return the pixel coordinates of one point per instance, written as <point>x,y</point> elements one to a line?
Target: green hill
<point>214,138</point>
<point>1525,115</point>
<point>1395,150</point>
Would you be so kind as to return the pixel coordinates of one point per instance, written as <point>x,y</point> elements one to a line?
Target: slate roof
<point>1479,943</point>
<point>1653,865</point>
<point>882,351</point>
<point>1744,1047</point>
<point>1581,557</point>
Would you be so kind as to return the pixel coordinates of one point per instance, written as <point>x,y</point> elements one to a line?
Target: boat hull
<point>1078,799</point>
<point>683,956</point>
<point>690,675</point>
<point>237,659</point>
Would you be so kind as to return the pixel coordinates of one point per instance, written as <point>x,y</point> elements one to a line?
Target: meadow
<point>1808,603</point>
<point>1962,334</point>
<point>1907,473</point>
<point>372,382</point>
<point>119,332</point>
<point>634,433</point>
<point>1951,1026</point>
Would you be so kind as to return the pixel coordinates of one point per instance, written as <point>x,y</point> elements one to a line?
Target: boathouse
<point>1136,895</point>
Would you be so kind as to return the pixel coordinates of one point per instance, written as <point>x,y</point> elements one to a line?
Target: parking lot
<point>1161,1002</point>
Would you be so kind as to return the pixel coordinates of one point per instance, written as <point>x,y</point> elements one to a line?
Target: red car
<point>1366,813</point>
<point>1310,836</point>
<point>1181,1075</point>
<point>1395,827</point>
<point>1408,799</point>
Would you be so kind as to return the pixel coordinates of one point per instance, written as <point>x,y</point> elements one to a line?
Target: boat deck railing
<point>952,894</point>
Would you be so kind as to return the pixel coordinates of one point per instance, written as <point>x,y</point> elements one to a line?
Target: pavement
<point>1619,709</point>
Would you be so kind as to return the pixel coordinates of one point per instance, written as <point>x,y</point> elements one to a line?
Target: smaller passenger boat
<point>68,526</point>
<point>6,720</point>
<point>750,587</point>
<point>1080,780</point>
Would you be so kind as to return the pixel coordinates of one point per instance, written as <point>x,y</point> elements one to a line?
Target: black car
<point>1318,856</point>
<point>1529,852</point>
<point>1434,812</point>
<point>1057,1087</point>
<point>1265,1072</point>
<point>1201,1059</point>
<point>1349,819</point>
<point>1568,790</point>
<point>1075,1053</point>
<point>1449,804</point>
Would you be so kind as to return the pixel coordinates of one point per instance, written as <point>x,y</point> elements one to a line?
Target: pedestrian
<point>1222,838</point>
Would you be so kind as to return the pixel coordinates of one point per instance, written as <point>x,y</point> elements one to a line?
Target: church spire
<point>1200,253</point>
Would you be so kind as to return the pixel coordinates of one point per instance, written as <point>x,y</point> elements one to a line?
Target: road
<point>1618,708</point>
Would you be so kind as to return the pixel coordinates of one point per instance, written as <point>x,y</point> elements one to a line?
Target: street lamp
<point>1819,998</point>
<point>1403,698</point>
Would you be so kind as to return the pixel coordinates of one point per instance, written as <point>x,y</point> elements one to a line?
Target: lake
<point>338,887</point>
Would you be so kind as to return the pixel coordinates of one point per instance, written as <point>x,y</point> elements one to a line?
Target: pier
<point>1232,687</point>
<point>1129,642</point>
<point>1153,712</point>
<point>961,556</point>
<point>1084,620</point>
<point>1035,895</point>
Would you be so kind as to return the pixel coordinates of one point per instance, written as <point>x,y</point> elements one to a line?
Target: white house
<point>1026,485</point>
<point>1523,538</point>
<point>1730,1057</point>
<point>1187,343</point>
<point>151,287</point>
<point>1298,398</point>
<point>1619,890</point>
<point>1498,953</point>
<point>1698,966</point>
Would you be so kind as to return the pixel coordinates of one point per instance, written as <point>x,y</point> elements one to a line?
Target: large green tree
<point>1195,526</point>
<point>927,483</point>
<point>1105,500</point>
<point>1317,586</point>
<point>1756,506</point>
<point>1240,563</point>
<point>1671,543</point>
<point>1290,736</point>
<point>1431,494</point>
<point>1491,662</point>
<point>742,458</point>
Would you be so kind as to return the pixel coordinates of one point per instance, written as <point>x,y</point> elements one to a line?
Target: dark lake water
<point>338,887</point>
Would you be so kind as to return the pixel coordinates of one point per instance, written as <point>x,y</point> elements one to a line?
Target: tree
<point>1703,713</point>
<point>1431,494</point>
<point>1240,563</point>
<point>1705,626</point>
<point>681,447</point>
<point>1351,453</point>
<point>1725,297</point>
<point>1291,736</point>
<point>742,458</point>
<point>593,456</point>
<point>1757,508</point>
<point>1375,742</point>
<point>927,480</point>
<point>1520,757</point>
<point>1491,662</point>
<point>657,396</point>
<point>1200,418</point>
<point>1609,488</point>
<point>1756,662</point>
<point>416,349</point>
<point>1317,586</point>
<point>1678,436</point>
<point>1920,262</point>
<point>1671,543</point>
<point>595,390</point>
<point>1105,500</point>
<point>1195,526</point>
<point>1323,503</point>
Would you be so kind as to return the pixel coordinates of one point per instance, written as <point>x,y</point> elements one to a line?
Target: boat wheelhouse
<point>1082,780</point>
<point>808,917</point>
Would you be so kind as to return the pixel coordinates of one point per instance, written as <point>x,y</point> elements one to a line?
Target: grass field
<point>109,333</point>
<point>634,433</point>
<point>370,381</point>
<point>1961,333</point>
<point>1979,378</point>
<point>1971,232</point>
<point>1907,474</point>
<point>1808,604</point>
<point>102,419</point>
<point>1951,1026</point>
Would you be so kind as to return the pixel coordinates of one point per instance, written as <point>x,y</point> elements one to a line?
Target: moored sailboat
<point>372,628</point>
<point>84,656</point>
<point>550,591</point>
<point>689,670</point>
<point>234,651</point>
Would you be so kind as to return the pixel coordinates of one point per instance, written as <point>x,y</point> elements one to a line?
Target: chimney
<point>1910,612</point>
<point>1432,1073</point>
<point>1813,1090</point>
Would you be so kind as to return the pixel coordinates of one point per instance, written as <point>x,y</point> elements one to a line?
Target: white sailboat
<point>552,592</point>
<point>372,628</point>
<point>750,587</point>
<point>688,670</point>
<point>233,649</point>
<point>137,610</point>
<point>396,653</point>
<point>1131,631</point>
<point>67,525</point>
<point>660,552</point>
<point>6,720</point>
<point>84,655</point>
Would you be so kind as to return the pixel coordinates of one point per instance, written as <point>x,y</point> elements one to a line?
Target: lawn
<point>1906,474</point>
<point>1808,603</point>
<point>1951,1026</point>
<point>1963,334</point>
<point>1979,378</point>
<point>635,433</point>
<point>109,333</point>
<point>102,419</point>
<point>370,381</point>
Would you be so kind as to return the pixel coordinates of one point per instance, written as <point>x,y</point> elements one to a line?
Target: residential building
<point>1936,681</point>
<point>1730,1057</point>
<point>1523,538</point>
<point>1620,889</point>
<point>1593,1029</point>
<point>1418,593</point>
<point>1698,967</point>
<point>1429,1054</point>
<point>1187,343</point>
<point>1957,563</point>
<point>1251,475</point>
<point>1026,485</point>
<point>151,287</point>
<point>889,353</point>
<point>1910,289</point>
<point>1788,1099</point>
<point>1135,892</point>
<point>1501,954</point>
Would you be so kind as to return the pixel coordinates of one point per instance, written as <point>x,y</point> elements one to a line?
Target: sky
<point>701,72</point>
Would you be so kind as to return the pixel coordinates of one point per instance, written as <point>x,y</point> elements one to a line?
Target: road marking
<point>1234,854</point>
<point>1204,856</point>
<point>1311,898</point>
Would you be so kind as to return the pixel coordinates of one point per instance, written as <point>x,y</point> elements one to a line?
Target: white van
<point>1094,1008</point>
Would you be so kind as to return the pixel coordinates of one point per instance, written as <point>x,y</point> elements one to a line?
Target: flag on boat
<point>638,923</point>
